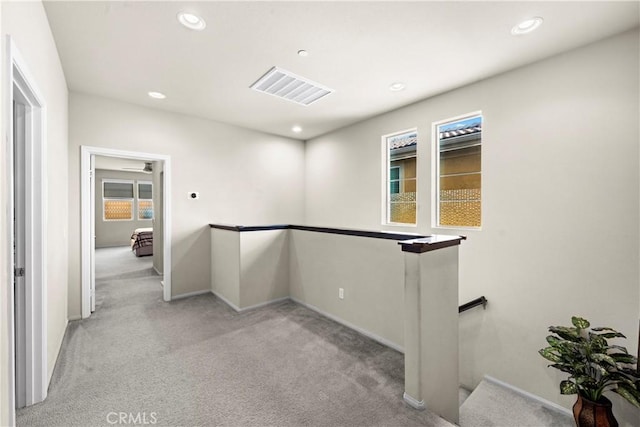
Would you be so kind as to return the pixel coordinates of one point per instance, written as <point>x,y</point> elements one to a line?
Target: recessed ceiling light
<point>296,129</point>
<point>157,95</point>
<point>527,26</point>
<point>397,86</point>
<point>191,21</point>
<point>303,52</point>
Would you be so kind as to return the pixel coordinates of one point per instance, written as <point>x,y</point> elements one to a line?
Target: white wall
<point>27,24</point>
<point>225,265</point>
<point>264,266</point>
<point>251,268</point>
<point>560,202</point>
<point>371,272</point>
<point>243,176</point>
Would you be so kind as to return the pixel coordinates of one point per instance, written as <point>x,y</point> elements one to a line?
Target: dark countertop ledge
<point>430,243</point>
<point>409,242</point>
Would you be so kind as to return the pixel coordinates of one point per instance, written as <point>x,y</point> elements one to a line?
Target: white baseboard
<point>226,301</point>
<point>76,317</point>
<point>156,270</point>
<point>263,304</point>
<point>364,332</point>
<point>544,402</point>
<point>190,294</point>
<point>251,307</point>
<point>415,404</point>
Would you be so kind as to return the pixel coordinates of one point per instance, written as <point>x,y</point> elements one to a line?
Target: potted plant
<point>594,366</point>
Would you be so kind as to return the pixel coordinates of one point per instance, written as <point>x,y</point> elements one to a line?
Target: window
<point>458,172</point>
<point>117,199</point>
<point>394,180</point>
<point>400,177</point>
<point>145,200</point>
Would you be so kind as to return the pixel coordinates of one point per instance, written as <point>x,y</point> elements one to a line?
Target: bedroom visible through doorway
<point>127,216</point>
<point>124,223</point>
<point>121,276</point>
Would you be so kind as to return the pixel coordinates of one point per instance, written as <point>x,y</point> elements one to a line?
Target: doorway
<point>27,237</point>
<point>88,197</point>
<point>128,230</point>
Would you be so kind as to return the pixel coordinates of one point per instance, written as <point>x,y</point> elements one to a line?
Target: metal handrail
<point>476,302</point>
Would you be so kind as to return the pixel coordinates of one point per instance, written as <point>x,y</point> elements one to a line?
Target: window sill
<point>399,224</point>
<point>453,227</point>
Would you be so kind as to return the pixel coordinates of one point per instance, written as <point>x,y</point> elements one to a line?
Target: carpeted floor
<point>195,362</point>
<point>120,262</point>
<point>492,405</point>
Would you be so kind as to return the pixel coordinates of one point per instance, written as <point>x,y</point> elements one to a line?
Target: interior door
<point>92,186</point>
<point>19,255</point>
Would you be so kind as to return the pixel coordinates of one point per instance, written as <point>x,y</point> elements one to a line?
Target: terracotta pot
<point>594,414</point>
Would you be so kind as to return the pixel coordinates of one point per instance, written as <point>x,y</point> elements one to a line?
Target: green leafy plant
<point>594,366</point>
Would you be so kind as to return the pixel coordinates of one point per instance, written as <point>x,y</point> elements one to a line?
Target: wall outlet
<point>341,293</point>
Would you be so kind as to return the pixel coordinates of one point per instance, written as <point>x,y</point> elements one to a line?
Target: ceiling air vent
<point>284,84</point>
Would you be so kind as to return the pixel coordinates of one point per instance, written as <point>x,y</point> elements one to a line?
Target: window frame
<point>399,180</point>
<point>138,199</point>
<point>386,179</point>
<point>105,199</point>
<point>435,167</point>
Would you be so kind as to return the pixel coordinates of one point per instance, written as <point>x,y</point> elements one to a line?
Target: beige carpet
<point>492,405</point>
<point>195,362</point>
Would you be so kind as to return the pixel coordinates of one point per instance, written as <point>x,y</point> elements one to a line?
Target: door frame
<point>20,84</point>
<point>87,240</point>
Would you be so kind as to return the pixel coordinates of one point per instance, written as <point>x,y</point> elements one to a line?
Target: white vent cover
<point>284,84</point>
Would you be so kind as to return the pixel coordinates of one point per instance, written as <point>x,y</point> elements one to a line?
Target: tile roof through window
<point>402,141</point>
<point>467,130</point>
<point>409,139</point>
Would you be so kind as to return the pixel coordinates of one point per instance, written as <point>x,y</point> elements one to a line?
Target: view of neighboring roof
<point>402,141</point>
<point>461,128</point>
<point>449,131</point>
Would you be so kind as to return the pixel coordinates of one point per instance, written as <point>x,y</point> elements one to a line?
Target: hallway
<point>197,362</point>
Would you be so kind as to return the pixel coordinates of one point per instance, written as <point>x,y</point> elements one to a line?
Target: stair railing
<point>471,304</point>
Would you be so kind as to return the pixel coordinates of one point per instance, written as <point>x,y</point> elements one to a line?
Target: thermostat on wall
<point>194,195</point>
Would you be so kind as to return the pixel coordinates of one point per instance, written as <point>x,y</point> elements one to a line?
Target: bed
<point>142,241</point>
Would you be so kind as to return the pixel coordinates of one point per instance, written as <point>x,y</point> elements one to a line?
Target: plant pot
<point>593,414</point>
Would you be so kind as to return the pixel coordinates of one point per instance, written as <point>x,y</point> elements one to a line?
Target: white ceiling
<point>122,50</point>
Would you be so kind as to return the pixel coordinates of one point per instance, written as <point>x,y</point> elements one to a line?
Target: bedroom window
<point>458,172</point>
<point>399,182</point>
<point>117,200</point>
<point>145,200</point>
